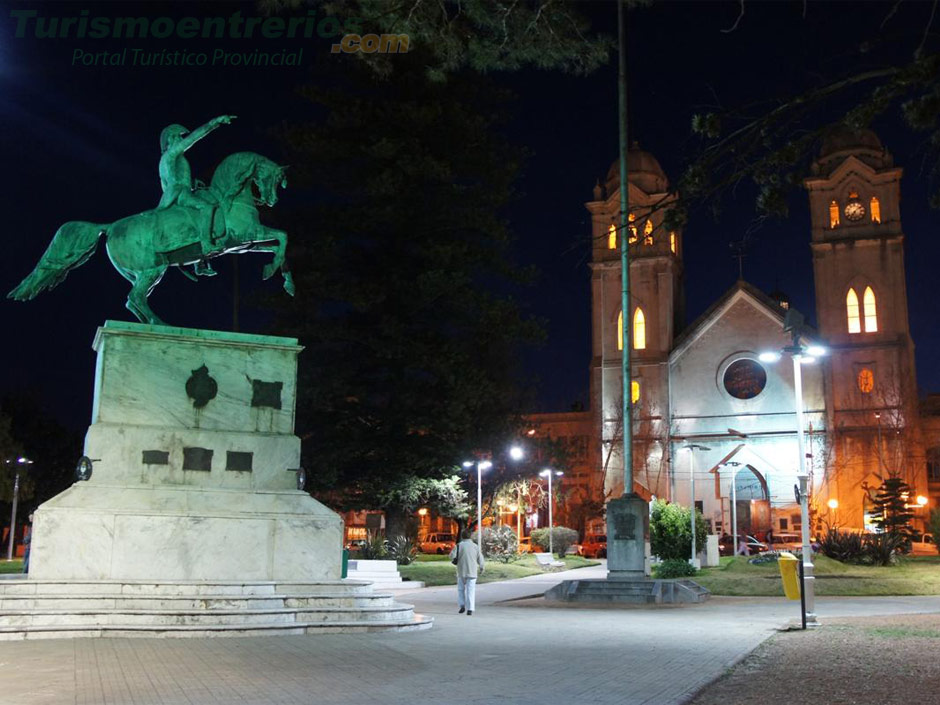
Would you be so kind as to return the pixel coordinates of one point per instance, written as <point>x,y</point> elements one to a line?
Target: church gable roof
<point>741,291</point>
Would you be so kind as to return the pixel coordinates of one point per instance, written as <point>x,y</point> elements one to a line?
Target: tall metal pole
<point>16,494</point>
<point>808,578</point>
<point>479,508</point>
<point>551,521</point>
<point>734,509</point>
<point>624,256</point>
<point>692,500</point>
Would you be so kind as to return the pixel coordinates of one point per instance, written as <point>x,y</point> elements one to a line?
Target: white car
<point>437,543</point>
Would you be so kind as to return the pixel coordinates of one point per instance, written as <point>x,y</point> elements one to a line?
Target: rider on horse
<point>176,178</point>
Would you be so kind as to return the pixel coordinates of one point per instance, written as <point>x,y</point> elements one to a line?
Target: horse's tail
<point>72,246</point>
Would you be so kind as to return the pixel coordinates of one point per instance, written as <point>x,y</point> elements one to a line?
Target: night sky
<point>81,143</point>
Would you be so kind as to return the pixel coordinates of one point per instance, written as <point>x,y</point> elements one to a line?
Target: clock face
<point>854,210</point>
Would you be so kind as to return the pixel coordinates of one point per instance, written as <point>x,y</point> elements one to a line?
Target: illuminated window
<point>620,341</point>
<point>639,330</point>
<point>631,219</point>
<point>672,246</point>
<point>871,315</point>
<point>612,245</point>
<point>648,233</point>
<point>875,216</point>
<point>833,214</point>
<point>635,397</point>
<point>851,309</point>
<point>853,195</point>
<point>866,381</point>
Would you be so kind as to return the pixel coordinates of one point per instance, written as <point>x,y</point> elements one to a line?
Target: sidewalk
<point>504,653</point>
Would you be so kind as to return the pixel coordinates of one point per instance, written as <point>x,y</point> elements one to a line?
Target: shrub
<point>561,539</point>
<point>675,568</point>
<point>375,548</point>
<point>403,549</point>
<point>844,546</point>
<point>933,526</point>
<point>884,549</point>
<point>670,533</point>
<point>500,543</point>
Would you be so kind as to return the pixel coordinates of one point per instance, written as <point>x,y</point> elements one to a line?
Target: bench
<point>546,560</point>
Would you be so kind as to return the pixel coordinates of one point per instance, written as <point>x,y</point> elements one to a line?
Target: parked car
<point>594,546</point>
<point>726,545</point>
<point>786,542</point>
<point>439,543</point>
<point>924,546</point>
<point>525,545</point>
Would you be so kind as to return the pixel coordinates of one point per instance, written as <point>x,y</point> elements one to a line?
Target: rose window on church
<point>745,379</point>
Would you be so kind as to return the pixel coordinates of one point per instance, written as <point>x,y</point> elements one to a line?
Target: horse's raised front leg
<point>143,284</point>
<point>279,261</point>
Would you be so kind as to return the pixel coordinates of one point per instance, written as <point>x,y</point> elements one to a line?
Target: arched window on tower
<point>612,245</point>
<point>672,246</point>
<point>875,208</point>
<point>639,330</point>
<point>634,398</point>
<point>631,226</point>
<point>851,309</point>
<point>833,214</point>
<point>620,336</point>
<point>648,236</point>
<point>866,381</point>
<point>871,314</point>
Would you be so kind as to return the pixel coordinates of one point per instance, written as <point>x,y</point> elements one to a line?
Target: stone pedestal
<point>194,467</point>
<point>628,530</point>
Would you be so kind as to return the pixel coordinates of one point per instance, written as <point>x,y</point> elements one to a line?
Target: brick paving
<point>511,653</point>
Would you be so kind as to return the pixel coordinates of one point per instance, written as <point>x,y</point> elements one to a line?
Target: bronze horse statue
<point>143,246</point>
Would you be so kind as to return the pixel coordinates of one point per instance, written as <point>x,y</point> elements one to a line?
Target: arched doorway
<point>752,501</point>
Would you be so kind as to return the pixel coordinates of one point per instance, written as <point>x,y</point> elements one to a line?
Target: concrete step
<point>141,587</point>
<point>184,602</point>
<point>413,623</point>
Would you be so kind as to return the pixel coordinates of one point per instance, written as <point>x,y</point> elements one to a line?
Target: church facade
<point>713,421</point>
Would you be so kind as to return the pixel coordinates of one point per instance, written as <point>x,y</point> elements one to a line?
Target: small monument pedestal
<point>627,581</point>
<point>195,467</point>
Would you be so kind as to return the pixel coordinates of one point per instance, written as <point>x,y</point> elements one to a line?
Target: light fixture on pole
<point>516,453</point>
<point>692,447</point>
<point>548,472</point>
<point>801,355</point>
<point>21,463</point>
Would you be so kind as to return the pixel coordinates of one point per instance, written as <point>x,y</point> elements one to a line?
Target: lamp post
<point>734,503</point>
<point>801,354</point>
<point>516,453</point>
<point>833,505</point>
<point>548,472</point>
<point>692,448</point>
<point>20,464</point>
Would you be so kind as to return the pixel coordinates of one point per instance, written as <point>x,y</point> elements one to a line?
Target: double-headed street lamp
<point>548,472</point>
<point>21,464</point>
<point>516,453</point>
<point>692,447</point>
<point>801,355</point>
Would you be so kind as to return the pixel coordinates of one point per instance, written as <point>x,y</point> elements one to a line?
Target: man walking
<point>468,558</point>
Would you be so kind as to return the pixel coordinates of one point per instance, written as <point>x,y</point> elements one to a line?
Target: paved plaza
<point>507,652</point>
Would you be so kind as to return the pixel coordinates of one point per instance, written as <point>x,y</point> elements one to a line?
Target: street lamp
<point>692,448</point>
<point>801,354</point>
<point>516,453</point>
<point>548,472</point>
<point>734,503</point>
<point>21,463</point>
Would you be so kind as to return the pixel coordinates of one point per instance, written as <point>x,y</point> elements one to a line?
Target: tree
<point>485,35</point>
<point>670,531</point>
<point>891,512</point>
<point>403,285</point>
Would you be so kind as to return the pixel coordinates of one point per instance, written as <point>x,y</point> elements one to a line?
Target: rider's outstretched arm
<point>204,130</point>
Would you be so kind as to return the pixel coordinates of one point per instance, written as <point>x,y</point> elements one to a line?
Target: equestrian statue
<point>191,225</point>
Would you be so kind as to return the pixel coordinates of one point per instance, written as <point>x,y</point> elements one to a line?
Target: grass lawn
<point>437,570</point>
<point>918,575</point>
<point>14,566</point>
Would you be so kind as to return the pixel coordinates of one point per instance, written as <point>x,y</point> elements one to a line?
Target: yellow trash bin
<point>789,573</point>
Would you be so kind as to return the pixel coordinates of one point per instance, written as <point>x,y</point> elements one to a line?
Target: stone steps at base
<point>183,602</point>
<point>415,623</point>
<point>305,615</point>
<point>153,587</point>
